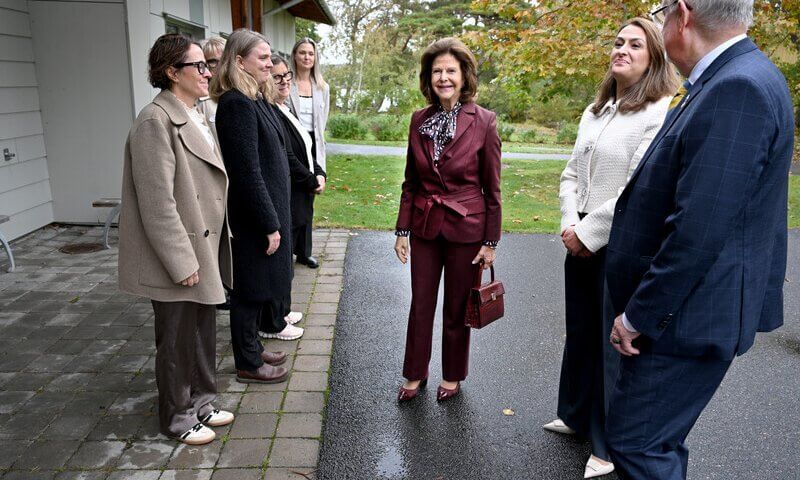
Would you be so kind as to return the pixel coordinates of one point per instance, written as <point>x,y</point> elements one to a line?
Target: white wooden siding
<point>25,193</point>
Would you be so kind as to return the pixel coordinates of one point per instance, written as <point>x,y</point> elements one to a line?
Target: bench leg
<point>111,215</point>
<point>8,251</point>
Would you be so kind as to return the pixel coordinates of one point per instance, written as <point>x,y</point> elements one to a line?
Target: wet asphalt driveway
<point>750,430</point>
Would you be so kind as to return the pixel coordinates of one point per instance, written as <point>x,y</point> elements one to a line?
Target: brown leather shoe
<point>274,358</point>
<point>265,374</point>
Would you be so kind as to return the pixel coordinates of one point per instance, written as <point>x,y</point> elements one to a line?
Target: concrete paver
<point>78,397</point>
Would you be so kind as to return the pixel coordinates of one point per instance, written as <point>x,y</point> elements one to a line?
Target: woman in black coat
<point>251,141</point>
<point>308,177</point>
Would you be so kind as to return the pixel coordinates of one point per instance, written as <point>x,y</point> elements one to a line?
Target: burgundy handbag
<point>485,302</point>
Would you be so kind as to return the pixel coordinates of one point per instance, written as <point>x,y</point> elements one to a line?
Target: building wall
<point>146,22</point>
<point>279,28</point>
<point>84,85</point>
<point>25,193</point>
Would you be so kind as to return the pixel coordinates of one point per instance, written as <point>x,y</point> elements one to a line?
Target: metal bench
<point>115,204</point>
<point>6,245</point>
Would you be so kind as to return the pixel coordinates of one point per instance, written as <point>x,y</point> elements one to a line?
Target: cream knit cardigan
<point>608,149</point>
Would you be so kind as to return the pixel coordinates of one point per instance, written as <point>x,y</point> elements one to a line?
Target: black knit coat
<point>251,139</point>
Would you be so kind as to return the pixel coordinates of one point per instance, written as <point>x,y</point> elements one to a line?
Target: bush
<point>347,127</point>
<point>505,131</point>
<point>530,136</point>
<point>390,127</point>
<point>567,133</point>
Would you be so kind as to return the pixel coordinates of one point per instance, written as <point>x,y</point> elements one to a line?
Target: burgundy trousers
<point>428,258</point>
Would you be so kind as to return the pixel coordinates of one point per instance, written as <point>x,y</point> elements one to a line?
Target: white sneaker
<point>198,435</point>
<point>217,418</point>
<point>558,426</point>
<point>597,469</point>
<point>289,333</point>
<point>293,317</point>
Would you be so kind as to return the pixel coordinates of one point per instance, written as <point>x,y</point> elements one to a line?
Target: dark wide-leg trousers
<point>301,235</point>
<point>655,403</point>
<point>272,314</point>
<point>245,319</point>
<point>428,259</point>
<point>186,340</point>
<point>581,403</point>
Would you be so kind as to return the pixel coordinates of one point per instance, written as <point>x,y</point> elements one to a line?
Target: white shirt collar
<point>709,58</point>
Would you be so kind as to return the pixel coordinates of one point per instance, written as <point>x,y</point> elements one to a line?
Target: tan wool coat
<point>174,199</point>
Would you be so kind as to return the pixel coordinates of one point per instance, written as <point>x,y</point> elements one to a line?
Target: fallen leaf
<point>508,412</point>
<point>516,221</point>
<point>536,218</point>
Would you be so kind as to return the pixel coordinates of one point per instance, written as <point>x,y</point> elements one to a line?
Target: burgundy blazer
<point>459,199</point>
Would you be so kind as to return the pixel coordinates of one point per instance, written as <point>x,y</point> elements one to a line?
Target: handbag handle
<point>479,275</point>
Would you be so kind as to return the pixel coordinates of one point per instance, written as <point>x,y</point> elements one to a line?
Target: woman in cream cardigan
<point>309,100</point>
<point>614,133</point>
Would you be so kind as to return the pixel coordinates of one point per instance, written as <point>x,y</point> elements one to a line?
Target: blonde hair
<point>658,81</point>
<point>230,76</point>
<point>213,45</point>
<point>316,70</point>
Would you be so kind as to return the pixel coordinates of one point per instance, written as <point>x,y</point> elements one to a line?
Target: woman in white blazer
<point>614,133</point>
<point>309,101</point>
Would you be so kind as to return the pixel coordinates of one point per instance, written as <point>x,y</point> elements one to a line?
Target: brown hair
<point>658,81</point>
<point>168,51</point>
<point>469,68</point>
<point>230,76</point>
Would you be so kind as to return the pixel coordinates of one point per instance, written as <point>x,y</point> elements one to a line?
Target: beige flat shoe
<point>597,469</point>
<point>558,426</point>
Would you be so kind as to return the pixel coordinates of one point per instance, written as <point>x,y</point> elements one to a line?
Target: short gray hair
<point>713,15</point>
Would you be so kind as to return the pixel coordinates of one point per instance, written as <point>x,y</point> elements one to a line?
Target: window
<point>193,30</point>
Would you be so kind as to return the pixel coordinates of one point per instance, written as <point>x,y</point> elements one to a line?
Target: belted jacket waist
<point>432,207</point>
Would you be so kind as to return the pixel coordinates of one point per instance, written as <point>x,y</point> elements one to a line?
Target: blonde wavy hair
<point>230,76</point>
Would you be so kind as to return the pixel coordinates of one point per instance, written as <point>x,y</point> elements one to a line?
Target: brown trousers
<point>186,338</point>
<point>428,258</point>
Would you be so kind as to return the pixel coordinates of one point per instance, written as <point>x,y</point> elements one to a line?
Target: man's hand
<point>401,249</point>
<point>274,240</point>
<point>573,244</point>
<point>622,338</point>
<point>485,255</point>
<point>191,280</point>
<point>321,188</point>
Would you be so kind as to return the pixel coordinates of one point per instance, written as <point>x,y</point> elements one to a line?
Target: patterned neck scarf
<point>440,127</point>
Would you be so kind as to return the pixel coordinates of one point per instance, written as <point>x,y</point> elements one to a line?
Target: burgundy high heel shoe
<point>406,394</point>
<point>443,394</point>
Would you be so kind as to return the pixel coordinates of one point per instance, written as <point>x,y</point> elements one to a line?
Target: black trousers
<point>245,319</point>
<point>301,236</point>
<point>581,393</point>
<point>272,313</point>
<point>186,339</point>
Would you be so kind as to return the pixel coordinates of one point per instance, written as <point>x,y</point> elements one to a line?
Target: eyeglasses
<point>201,66</point>
<point>283,78</point>
<point>659,15</point>
<point>212,63</point>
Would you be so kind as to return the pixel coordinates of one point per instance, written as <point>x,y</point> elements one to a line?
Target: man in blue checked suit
<point>697,254</point>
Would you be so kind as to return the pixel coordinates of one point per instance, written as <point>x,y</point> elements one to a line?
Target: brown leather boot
<point>273,358</point>
<point>265,374</point>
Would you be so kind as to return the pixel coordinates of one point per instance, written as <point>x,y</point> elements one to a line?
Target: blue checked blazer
<point>697,253</point>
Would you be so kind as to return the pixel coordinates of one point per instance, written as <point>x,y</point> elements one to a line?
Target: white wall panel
<point>18,99</point>
<point>15,23</point>
<point>17,49</point>
<point>13,125</point>
<point>86,103</point>
<point>17,74</point>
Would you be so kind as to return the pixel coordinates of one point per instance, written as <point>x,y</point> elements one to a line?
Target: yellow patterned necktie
<point>678,96</point>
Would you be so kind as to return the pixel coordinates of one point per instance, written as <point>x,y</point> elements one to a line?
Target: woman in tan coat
<point>174,246</point>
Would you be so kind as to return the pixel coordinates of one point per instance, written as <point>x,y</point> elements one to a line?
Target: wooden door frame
<point>246,14</point>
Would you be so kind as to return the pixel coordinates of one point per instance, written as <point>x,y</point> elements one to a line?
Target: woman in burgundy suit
<point>450,207</point>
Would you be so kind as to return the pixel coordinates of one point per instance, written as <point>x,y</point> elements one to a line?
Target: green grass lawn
<point>364,192</point>
<point>515,147</point>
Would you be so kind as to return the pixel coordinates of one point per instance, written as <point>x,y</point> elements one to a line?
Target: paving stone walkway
<point>77,384</point>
